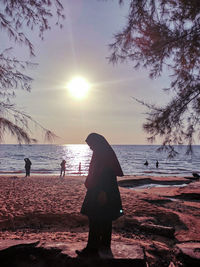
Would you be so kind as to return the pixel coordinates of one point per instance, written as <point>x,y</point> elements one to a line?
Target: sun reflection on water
<point>76,155</point>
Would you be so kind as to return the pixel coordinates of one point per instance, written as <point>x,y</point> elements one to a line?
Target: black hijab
<point>103,158</point>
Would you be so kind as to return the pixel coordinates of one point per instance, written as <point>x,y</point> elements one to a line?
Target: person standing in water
<point>27,166</point>
<point>63,167</point>
<point>79,168</point>
<point>102,203</point>
<point>157,164</point>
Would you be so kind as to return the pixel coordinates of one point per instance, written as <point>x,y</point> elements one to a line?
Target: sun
<point>78,87</point>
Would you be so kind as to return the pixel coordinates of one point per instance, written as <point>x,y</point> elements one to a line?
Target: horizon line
<point>32,144</point>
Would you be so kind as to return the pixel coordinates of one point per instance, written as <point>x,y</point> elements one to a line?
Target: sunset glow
<point>75,90</point>
<point>78,87</point>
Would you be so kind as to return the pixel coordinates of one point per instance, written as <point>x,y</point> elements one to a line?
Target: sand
<point>47,208</point>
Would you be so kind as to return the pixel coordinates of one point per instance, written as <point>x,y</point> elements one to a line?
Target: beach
<point>161,219</point>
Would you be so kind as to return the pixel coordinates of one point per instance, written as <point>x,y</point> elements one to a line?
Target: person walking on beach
<point>146,163</point>
<point>62,169</point>
<point>102,203</point>
<point>27,166</point>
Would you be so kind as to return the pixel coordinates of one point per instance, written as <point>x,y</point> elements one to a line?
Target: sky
<point>80,48</point>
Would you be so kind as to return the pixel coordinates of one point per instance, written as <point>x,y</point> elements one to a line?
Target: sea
<point>46,159</point>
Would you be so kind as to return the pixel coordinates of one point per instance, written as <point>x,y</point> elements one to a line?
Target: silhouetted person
<point>62,169</point>
<point>79,167</point>
<point>102,203</point>
<point>157,163</point>
<point>27,166</point>
<point>146,163</point>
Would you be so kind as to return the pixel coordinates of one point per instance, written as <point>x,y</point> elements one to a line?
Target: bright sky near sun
<point>75,90</point>
<point>78,87</point>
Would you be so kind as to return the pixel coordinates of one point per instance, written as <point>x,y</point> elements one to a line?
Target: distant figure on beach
<point>62,169</point>
<point>79,167</point>
<point>157,163</point>
<point>27,166</point>
<point>102,203</point>
<point>146,163</point>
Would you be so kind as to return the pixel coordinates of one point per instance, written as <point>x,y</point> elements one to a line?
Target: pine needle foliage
<point>16,16</point>
<point>162,35</point>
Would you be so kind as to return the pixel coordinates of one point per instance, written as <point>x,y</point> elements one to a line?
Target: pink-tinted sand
<point>47,208</point>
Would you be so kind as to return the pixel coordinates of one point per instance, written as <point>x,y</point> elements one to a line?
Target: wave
<point>42,170</point>
<point>43,157</point>
<point>12,172</point>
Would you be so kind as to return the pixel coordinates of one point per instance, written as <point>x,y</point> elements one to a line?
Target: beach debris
<point>167,231</point>
<point>196,175</point>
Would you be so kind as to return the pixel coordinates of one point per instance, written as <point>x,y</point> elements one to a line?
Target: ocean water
<point>47,158</point>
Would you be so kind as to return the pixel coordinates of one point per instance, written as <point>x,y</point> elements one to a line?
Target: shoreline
<point>126,181</point>
<point>39,173</point>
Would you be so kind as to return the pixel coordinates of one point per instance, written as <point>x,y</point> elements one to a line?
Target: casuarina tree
<point>16,17</point>
<point>163,36</point>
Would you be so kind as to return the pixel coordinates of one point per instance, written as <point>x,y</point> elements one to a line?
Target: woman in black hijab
<point>102,203</point>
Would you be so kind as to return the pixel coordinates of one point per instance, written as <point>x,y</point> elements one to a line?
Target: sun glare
<point>78,87</point>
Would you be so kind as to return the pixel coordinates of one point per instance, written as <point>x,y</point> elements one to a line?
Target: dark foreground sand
<point>164,221</point>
